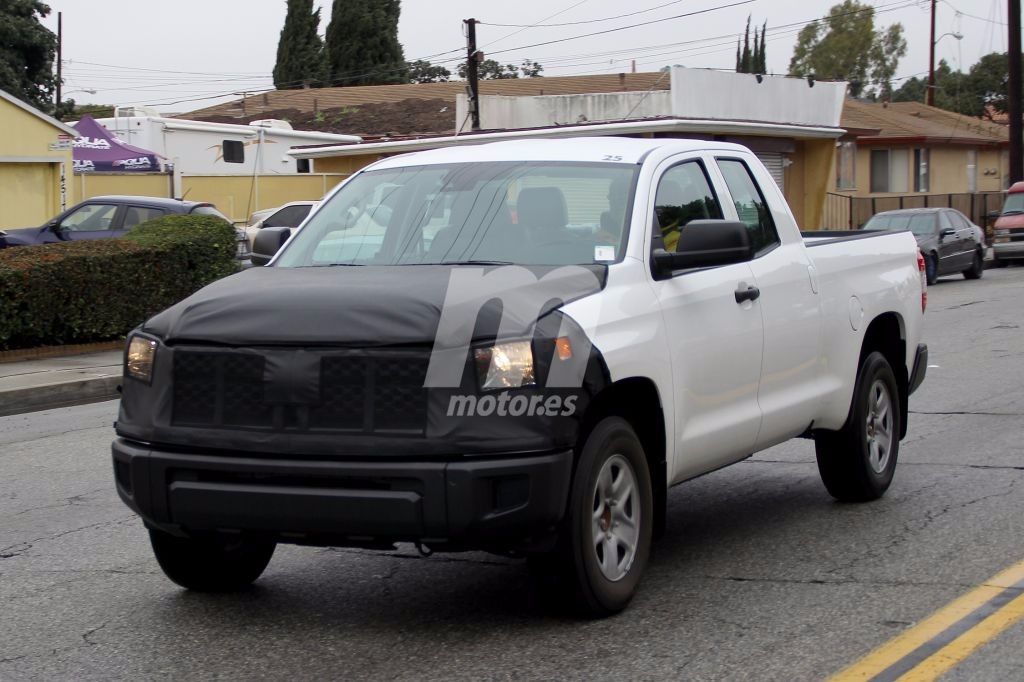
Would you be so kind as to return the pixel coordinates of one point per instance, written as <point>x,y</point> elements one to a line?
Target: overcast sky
<point>187,54</point>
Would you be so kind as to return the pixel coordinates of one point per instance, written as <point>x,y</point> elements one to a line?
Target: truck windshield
<point>527,213</point>
<point>1014,204</point>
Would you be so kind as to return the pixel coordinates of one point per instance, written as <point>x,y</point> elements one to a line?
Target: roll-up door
<point>773,161</point>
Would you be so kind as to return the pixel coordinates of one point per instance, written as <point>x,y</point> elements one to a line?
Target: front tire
<point>606,538</point>
<point>858,461</point>
<point>210,565</point>
<point>977,268</point>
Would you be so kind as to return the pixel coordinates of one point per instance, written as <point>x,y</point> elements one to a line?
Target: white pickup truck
<point>535,341</point>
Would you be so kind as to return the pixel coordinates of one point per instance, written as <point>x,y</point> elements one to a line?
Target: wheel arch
<point>636,399</point>
<point>887,334</point>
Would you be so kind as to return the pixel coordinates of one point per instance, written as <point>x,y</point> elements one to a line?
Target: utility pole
<point>60,59</point>
<point>929,95</point>
<point>1013,94</point>
<point>472,62</point>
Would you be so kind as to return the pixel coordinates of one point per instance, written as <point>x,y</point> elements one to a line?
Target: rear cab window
<point>751,207</point>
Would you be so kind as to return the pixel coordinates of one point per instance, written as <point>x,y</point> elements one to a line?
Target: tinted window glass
<point>530,213</point>
<point>958,220</point>
<point>895,222</point>
<point>751,207</point>
<point>136,215</point>
<point>234,151</point>
<point>289,216</point>
<point>922,223</point>
<point>684,194</point>
<point>91,218</point>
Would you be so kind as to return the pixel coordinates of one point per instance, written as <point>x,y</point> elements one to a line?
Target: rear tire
<point>931,269</point>
<point>977,268</point>
<point>210,565</point>
<point>858,461</point>
<point>605,541</point>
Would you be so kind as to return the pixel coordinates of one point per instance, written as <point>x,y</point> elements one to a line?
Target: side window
<point>233,151</point>
<point>959,221</point>
<point>751,206</point>
<point>91,218</point>
<point>947,221</point>
<point>289,216</point>
<point>684,194</point>
<point>136,215</point>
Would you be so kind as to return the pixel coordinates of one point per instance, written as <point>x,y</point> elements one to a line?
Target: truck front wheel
<point>606,539</point>
<point>858,461</point>
<point>210,565</point>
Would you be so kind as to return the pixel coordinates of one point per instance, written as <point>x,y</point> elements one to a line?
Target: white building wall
<point>499,112</point>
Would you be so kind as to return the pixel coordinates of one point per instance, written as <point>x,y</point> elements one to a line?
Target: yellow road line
<point>966,644</point>
<point>900,647</point>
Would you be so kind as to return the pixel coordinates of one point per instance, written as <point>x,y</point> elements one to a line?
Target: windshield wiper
<point>1016,211</point>
<point>477,262</point>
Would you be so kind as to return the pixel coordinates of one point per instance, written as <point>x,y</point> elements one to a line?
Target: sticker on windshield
<point>604,253</point>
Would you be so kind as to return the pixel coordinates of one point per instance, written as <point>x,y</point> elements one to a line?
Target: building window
<point>922,161</point>
<point>972,170</point>
<point>234,151</point>
<point>302,165</point>
<point>846,166</point>
<point>890,170</point>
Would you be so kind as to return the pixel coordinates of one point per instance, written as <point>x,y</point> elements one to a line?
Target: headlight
<point>506,365</point>
<point>139,362</point>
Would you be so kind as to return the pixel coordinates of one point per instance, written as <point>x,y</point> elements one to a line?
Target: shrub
<point>76,292</point>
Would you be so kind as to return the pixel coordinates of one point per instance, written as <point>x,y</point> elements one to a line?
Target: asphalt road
<point>761,575</point>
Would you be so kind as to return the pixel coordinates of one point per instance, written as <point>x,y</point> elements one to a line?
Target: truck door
<point>715,342</point>
<point>789,388</point>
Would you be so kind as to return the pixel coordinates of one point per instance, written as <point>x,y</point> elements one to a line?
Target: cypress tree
<point>362,43</point>
<point>300,51</point>
<point>762,66</point>
<point>745,61</point>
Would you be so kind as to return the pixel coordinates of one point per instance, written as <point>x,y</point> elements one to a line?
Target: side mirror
<point>268,242</point>
<point>947,232</point>
<point>705,244</point>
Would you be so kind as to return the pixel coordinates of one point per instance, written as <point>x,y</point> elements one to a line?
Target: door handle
<point>748,294</point>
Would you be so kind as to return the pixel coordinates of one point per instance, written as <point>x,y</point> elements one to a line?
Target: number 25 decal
<point>609,157</point>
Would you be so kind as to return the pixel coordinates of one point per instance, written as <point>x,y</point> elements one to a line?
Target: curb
<point>62,394</point>
<point>41,353</point>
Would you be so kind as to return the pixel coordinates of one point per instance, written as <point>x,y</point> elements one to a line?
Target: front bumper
<point>499,501</point>
<point>1008,250</point>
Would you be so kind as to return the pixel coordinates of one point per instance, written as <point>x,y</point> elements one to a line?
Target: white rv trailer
<point>201,148</point>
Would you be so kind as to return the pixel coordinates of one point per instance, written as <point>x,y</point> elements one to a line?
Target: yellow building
<point>910,155</point>
<point>35,164</point>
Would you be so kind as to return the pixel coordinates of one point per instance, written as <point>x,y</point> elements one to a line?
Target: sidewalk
<point>33,385</point>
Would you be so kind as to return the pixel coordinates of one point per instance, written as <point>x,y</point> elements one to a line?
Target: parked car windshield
<point>556,213</point>
<point>1014,203</point>
<point>918,223</point>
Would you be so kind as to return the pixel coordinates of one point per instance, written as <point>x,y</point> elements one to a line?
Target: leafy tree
<point>362,43</point>
<point>421,71</point>
<point>981,92</point>
<point>301,61</point>
<point>845,45</point>
<point>491,69</point>
<point>27,50</point>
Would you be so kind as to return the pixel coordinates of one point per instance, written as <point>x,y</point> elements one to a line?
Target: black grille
<point>361,392</point>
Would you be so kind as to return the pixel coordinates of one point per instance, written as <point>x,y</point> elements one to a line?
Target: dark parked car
<point>951,244</point>
<point>111,216</point>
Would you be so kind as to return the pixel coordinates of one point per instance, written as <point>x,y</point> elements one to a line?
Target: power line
<point>623,28</point>
<point>515,33</point>
<point>585,21</point>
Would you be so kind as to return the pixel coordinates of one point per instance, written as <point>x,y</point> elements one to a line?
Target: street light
<point>85,90</point>
<point>929,97</point>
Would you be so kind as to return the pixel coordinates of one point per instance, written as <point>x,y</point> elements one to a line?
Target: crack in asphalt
<point>22,547</point>
<point>964,305</point>
<point>89,633</point>
<point>71,501</point>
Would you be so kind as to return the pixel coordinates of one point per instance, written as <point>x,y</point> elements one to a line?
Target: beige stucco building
<point>35,164</point>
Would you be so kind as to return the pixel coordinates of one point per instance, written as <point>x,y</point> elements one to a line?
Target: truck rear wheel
<point>210,565</point>
<point>606,538</point>
<point>858,461</point>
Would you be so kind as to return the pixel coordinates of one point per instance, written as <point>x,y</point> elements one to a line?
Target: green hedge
<point>77,292</point>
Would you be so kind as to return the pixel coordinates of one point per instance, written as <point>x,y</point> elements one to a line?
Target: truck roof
<point>584,149</point>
